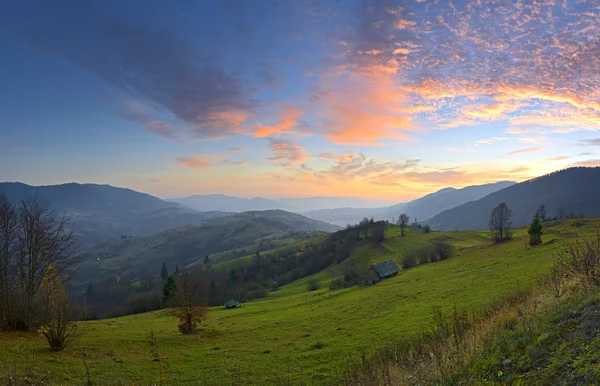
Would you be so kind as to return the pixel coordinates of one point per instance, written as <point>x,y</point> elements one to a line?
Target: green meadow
<point>295,336</point>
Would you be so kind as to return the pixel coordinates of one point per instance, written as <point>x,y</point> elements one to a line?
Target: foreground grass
<point>296,336</point>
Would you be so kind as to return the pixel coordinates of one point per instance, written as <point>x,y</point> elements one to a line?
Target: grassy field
<point>295,336</point>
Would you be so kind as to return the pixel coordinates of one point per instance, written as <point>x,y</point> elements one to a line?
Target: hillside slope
<point>302,337</point>
<point>239,234</point>
<point>571,191</point>
<point>100,213</point>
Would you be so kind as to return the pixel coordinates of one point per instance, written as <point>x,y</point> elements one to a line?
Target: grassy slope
<point>183,246</point>
<point>312,333</point>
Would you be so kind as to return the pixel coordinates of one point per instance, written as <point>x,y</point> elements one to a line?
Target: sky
<point>380,99</point>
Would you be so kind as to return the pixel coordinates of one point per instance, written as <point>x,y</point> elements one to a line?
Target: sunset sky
<point>384,100</point>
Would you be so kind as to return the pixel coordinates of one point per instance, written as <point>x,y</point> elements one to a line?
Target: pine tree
<point>164,272</point>
<point>169,289</point>
<point>206,260</point>
<point>536,230</point>
<point>177,272</point>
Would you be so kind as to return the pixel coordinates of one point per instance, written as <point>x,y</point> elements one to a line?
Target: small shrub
<point>426,229</point>
<point>409,260</point>
<point>313,285</point>
<point>443,250</point>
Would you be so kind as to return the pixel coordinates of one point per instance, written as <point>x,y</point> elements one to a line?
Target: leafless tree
<point>500,222</point>
<point>44,240</point>
<point>403,222</point>
<point>8,251</point>
<point>542,213</point>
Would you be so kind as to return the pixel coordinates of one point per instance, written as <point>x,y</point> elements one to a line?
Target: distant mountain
<point>102,213</point>
<point>575,191</point>
<point>241,234</point>
<point>221,202</point>
<point>434,203</point>
<point>421,208</point>
<point>316,203</point>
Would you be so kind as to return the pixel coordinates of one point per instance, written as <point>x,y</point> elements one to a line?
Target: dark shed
<point>232,303</point>
<point>386,269</point>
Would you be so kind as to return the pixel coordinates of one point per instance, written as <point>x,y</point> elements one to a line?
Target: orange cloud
<point>528,150</point>
<point>198,162</point>
<point>287,122</point>
<point>360,109</point>
<point>236,149</point>
<point>286,154</point>
<point>560,158</point>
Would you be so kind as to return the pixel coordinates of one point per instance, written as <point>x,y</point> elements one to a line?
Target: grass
<point>295,336</point>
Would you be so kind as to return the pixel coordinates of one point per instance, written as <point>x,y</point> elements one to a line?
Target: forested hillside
<point>572,192</point>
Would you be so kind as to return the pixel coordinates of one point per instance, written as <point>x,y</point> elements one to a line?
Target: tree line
<point>37,260</point>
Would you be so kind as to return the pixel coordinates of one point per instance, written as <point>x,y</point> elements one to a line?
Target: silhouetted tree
<point>177,272</point>
<point>426,228</point>
<point>164,272</point>
<point>536,230</point>
<point>500,222</point>
<point>169,289</point>
<point>206,260</point>
<point>541,213</point>
<point>403,222</point>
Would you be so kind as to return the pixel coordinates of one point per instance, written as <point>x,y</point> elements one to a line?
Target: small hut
<point>232,303</point>
<point>386,269</point>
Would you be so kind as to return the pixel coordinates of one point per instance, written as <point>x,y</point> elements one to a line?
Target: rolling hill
<point>421,208</point>
<point>238,235</point>
<point>571,191</point>
<point>101,213</point>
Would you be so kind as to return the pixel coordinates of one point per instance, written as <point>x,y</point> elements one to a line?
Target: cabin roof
<point>386,268</point>
<point>232,303</point>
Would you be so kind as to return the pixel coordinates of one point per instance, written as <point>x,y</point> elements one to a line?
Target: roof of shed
<point>386,268</point>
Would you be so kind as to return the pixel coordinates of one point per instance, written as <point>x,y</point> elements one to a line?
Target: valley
<point>306,335</point>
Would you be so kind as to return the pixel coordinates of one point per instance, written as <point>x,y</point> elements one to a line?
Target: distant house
<point>232,304</point>
<point>386,269</point>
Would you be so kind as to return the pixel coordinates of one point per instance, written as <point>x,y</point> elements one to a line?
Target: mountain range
<point>420,209</point>
<point>572,192</point>
<point>101,213</point>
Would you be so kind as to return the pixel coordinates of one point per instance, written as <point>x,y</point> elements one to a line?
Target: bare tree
<point>542,213</point>
<point>403,222</point>
<point>189,310</point>
<point>500,222</point>
<point>45,240</point>
<point>8,266</point>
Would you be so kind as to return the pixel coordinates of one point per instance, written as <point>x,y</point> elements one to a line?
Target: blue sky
<point>381,99</point>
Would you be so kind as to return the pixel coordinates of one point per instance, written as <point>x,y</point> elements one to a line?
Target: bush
<point>425,255</point>
<point>442,249</point>
<point>582,260</point>
<point>409,260</point>
<point>313,285</point>
<point>426,229</point>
